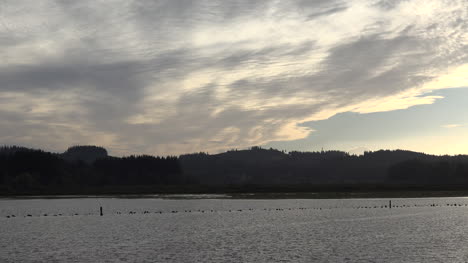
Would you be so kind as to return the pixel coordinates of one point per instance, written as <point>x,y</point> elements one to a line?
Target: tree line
<point>89,169</point>
<point>80,168</point>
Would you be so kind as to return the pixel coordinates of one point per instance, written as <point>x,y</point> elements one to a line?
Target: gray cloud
<point>174,76</point>
<point>327,12</point>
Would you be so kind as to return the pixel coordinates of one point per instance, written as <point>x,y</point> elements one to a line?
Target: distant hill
<point>272,167</point>
<point>87,154</point>
<point>87,169</point>
<point>254,154</point>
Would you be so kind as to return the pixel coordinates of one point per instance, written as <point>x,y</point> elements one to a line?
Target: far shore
<point>262,195</point>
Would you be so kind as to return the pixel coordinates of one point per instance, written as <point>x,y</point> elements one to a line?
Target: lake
<point>217,229</point>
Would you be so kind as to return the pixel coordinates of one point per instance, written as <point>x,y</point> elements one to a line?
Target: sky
<point>179,76</point>
<point>439,128</point>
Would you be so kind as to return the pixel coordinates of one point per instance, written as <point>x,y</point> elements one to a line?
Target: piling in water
<point>100,210</point>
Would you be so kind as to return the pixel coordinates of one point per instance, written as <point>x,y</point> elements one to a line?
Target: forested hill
<point>82,168</point>
<point>87,154</point>
<point>270,166</point>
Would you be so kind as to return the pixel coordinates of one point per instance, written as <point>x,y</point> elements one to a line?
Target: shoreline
<point>254,195</point>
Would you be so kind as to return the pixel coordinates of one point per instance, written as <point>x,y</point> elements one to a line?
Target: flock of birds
<point>251,209</point>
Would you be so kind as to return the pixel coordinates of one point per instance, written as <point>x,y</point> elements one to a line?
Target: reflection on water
<point>225,230</point>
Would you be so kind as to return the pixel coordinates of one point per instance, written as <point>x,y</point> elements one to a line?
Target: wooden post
<point>390,204</point>
<point>100,210</point>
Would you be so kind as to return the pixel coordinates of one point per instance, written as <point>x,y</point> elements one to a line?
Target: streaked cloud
<point>165,77</point>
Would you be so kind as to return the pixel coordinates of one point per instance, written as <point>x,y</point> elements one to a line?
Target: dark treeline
<point>89,169</point>
<point>272,167</point>
<point>79,169</point>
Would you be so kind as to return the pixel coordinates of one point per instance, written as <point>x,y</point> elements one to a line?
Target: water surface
<point>228,230</point>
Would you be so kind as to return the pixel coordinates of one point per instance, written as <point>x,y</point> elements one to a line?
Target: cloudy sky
<point>177,76</point>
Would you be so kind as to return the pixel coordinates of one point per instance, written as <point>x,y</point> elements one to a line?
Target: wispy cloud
<point>178,76</point>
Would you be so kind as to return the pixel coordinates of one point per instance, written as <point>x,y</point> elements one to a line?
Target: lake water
<point>232,230</point>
